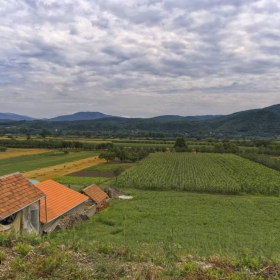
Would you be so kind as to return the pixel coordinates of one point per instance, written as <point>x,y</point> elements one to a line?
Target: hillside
<point>252,123</point>
<point>80,116</point>
<point>14,117</point>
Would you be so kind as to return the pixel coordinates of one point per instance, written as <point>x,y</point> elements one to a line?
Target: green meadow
<point>197,224</point>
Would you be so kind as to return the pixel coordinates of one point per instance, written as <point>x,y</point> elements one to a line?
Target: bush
<point>3,149</point>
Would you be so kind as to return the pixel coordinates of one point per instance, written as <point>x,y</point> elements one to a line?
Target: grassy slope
<point>201,224</point>
<point>32,162</point>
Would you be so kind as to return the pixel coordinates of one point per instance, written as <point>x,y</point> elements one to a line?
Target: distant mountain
<point>274,109</point>
<point>80,116</point>
<point>170,118</point>
<point>14,117</point>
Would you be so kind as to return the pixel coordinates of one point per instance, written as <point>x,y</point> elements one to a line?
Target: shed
<point>60,201</point>
<point>98,198</point>
<point>19,204</point>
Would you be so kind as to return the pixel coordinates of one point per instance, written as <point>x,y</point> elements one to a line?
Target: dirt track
<point>62,169</point>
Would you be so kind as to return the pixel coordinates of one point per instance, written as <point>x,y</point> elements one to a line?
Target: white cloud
<point>138,57</point>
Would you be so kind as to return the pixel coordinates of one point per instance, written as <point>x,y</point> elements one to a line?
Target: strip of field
<point>215,173</point>
<point>196,224</point>
<point>33,162</point>
<point>62,169</point>
<point>21,152</point>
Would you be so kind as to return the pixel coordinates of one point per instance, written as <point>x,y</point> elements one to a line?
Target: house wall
<point>49,227</point>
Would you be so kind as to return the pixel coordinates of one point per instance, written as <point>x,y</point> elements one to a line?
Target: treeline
<point>51,144</point>
<point>130,154</point>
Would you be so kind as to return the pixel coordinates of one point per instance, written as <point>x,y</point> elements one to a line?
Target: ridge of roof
<point>8,175</point>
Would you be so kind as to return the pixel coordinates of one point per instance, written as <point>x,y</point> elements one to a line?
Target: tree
<point>180,145</point>
<point>117,171</point>
<point>44,133</point>
<point>28,136</point>
<point>3,149</point>
<point>108,156</point>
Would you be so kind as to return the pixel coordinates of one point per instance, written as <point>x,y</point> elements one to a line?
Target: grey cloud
<point>133,52</point>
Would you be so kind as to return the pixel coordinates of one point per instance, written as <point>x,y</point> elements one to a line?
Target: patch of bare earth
<point>62,169</point>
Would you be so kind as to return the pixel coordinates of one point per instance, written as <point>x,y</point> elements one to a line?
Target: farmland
<point>94,174</point>
<point>212,173</point>
<point>21,152</point>
<point>38,161</point>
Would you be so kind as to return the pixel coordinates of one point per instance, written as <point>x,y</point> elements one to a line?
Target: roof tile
<point>60,199</point>
<point>16,192</point>
<point>95,193</point>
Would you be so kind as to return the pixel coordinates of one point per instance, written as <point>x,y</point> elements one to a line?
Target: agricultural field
<point>33,162</point>
<point>198,172</point>
<point>51,172</point>
<point>13,152</point>
<point>94,174</point>
<point>189,223</point>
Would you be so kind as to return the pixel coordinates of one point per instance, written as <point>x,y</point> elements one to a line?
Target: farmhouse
<point>98,198</point>
<point>60,201</point>
<point>20,203</point>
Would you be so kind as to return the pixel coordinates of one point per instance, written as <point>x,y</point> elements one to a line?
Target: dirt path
<point>62,169</point>
<point>21,152</point>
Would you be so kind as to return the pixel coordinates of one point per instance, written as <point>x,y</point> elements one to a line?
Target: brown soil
<point>92,174</point>
<point>62,169</point>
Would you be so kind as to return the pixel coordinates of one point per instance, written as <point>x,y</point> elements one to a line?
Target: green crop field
<point>32,162</point>
<point>197,224</point>
<point>214,173</point>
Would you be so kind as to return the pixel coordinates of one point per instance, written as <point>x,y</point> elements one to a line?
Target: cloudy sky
<point>138,57</point>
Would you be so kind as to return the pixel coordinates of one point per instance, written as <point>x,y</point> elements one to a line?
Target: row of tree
<point>128,154</point>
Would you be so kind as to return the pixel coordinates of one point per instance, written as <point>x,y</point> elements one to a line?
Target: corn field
<point>211,173</point>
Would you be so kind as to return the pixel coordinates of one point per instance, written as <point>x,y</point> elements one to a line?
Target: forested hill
<point>252,123</point>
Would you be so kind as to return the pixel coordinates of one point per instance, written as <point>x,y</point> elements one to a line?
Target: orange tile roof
<point>60,199</point>
<point>16,193</point>
<point>95,193</point>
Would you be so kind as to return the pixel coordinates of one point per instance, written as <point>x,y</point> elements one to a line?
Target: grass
<point>80,180</point>
<point>69,257</point>
<point>33,162</point>
<point>109,167</point>
<point>197,224</point>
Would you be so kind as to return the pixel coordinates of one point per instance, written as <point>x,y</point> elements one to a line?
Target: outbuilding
<point>98,199</point>
<point>20,203</point>
<point>60,201</point>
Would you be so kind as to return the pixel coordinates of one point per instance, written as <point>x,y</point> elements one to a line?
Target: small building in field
<point>20,203</point>
<point>98,199</point>
<point>60,201</point>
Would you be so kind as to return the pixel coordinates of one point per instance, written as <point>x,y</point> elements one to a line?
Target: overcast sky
<point>138,57</point>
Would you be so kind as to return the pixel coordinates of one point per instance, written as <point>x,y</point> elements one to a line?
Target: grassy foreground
<point>157,235</point>
<point>197,224</point>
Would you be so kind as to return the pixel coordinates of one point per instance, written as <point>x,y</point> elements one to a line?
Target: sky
<point>138,58</point>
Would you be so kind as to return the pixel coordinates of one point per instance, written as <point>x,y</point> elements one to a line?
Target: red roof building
<point>60,200</point>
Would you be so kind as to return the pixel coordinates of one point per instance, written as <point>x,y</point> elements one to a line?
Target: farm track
<point>21,152</point>
<point>62,169</point>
